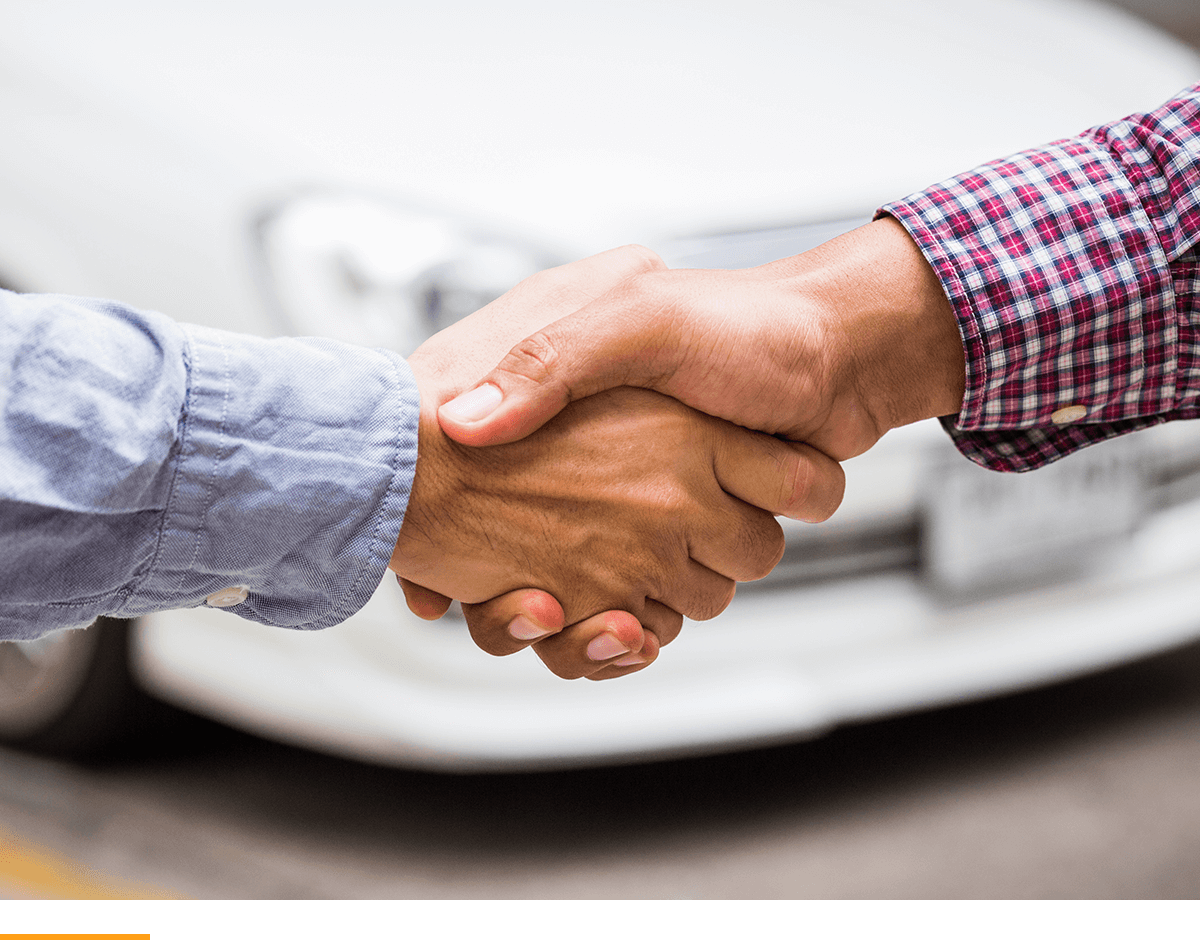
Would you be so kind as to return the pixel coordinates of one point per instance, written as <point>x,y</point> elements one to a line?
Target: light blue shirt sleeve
<point>146,465</point>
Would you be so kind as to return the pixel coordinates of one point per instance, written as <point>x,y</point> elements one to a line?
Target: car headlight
<point>378,274</point>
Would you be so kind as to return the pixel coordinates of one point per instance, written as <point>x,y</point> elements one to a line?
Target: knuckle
<point>667,628</point>
<point>811,485</point>
<point>816,488</point>
<point>536,358</point>
<point>537,352</point>
<point>669,504</point>
<point>557,285</point>
<point>655,291</point>
<point>647,294</point>
<point>767,552</point>
<point>708,604</point>
<point>643,259</point>
<point>748,546</point>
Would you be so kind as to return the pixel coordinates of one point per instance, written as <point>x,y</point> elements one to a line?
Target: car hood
<point>592,124</point>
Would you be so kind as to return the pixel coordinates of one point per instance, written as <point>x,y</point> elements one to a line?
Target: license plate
<point>983,529</point>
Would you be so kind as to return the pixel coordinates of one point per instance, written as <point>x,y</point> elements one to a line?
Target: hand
<point>458,355</point>
<point>455,359</point>
<point>834,347</point>
<point>627,500</point>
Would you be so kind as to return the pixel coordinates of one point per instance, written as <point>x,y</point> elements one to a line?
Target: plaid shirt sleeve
<point>1072,269</point>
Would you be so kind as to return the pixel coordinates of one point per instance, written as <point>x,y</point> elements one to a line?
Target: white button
<point>229,597</point>
<point>1068,414</point>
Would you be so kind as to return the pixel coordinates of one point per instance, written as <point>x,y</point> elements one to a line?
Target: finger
<point>699,593</point>
<point>513,621</point>
<point>782,477</point>
<point>648,654</point>
<point>426,604</point>
<point>664,622</point>
<point>618,339</point>
<point>613,638</point>
<point>575,651</point>
<point>738,541</point>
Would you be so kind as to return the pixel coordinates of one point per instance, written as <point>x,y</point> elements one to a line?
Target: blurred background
<point>964,685</point>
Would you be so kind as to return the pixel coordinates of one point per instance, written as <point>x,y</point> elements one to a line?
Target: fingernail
<point>474,405</point>
<point>633,659</point>
<point>522,628</point>
<point>605,646</point>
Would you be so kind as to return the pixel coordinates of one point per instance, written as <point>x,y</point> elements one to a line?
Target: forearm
<point>900,353</point>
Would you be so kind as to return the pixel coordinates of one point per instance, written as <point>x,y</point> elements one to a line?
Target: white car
<point>372,171</point>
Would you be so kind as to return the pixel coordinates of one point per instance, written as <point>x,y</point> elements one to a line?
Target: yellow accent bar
<point>30,871</point>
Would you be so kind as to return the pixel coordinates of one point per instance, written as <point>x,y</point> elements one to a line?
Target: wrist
<point>416,553</point>
<point>898,355</point>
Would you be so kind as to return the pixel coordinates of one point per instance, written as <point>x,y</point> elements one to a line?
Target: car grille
<point>822,557</point>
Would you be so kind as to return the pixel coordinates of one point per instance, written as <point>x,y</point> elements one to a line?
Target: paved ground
<point>1085,790</point>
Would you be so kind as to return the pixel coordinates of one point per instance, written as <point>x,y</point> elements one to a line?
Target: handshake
<point>621,467</point>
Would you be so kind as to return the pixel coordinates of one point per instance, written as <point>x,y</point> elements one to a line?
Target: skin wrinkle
<point>534,358</point>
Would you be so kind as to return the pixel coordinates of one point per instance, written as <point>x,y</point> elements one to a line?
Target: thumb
<point>612,341</point>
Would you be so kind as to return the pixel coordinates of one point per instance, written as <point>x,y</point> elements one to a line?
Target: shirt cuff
<point>294,467</point>
<point>1058,264</point>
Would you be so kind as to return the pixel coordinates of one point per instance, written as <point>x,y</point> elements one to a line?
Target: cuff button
<point>1068,415</point>
<point>228,597</point>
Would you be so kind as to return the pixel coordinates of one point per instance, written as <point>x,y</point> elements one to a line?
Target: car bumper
<point>781,664</point>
